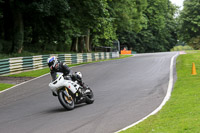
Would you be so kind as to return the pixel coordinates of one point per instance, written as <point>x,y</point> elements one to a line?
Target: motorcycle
<point>70,92</point>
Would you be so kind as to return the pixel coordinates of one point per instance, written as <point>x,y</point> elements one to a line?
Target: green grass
<point>181,114</point>
<point>34,73</point>
<point>4,86</point>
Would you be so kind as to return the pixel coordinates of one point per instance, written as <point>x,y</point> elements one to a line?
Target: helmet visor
<point>50,63</point>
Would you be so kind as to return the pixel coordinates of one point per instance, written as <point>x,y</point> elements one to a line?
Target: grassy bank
<point>181,114</point>
<point>4,86</point>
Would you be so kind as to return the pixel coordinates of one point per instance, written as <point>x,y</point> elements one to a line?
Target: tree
<point>190,22</point>
<point>127,14</point>
<point>1,24</point>
<point>159,34</point>
<point>41,20</point>
<point>129,19</point>
<point>80,26</point>
<point>92,21</point>
<point>44,23</point>
<point>13,26</point>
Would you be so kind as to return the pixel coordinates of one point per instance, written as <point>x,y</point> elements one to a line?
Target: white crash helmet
<point>52,61</point>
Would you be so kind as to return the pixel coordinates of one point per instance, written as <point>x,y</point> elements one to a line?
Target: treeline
<point>189,24</point>
<point>83,25</point>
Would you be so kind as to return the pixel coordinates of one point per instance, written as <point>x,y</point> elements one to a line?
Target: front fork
<point>67,96</point>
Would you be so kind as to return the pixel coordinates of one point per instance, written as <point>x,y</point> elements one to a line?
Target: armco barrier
<point>19,64</point>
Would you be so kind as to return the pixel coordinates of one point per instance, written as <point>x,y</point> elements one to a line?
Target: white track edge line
<point>170,87</point>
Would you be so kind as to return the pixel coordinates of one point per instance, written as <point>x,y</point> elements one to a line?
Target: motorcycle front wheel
<point>89,97</point>
<point>66,102</point>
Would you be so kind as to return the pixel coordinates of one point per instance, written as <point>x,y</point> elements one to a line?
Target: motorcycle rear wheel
<point>65,102</point>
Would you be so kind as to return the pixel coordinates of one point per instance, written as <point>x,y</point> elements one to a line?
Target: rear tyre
<point>67,103</point>
<point>89,97</point>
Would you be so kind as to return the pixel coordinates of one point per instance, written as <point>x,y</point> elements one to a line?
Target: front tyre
<point>89,97</point>
<point>66,102</point>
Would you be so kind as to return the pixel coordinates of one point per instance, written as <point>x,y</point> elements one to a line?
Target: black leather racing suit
<point>60,67</point>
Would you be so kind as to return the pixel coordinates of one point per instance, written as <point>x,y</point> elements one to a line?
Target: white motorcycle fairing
<point>60,82</point>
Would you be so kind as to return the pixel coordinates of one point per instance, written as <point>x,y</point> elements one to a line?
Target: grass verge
<point>4,86</point>
<point>181,114</point>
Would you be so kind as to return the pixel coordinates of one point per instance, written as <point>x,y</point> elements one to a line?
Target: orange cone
<point>193,69</point>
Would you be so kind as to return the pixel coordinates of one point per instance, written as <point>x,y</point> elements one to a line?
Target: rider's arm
<point>65,68</point>
<point>53,75</point>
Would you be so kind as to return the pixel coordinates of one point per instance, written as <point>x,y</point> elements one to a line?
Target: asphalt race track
<point>125,91</point>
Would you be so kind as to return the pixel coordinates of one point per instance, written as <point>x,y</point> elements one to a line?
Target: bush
<point>180,48</point>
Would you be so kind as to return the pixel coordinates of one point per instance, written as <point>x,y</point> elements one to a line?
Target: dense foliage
<point>159,28</point>
<point>83,25</point>
<point>190,23</point>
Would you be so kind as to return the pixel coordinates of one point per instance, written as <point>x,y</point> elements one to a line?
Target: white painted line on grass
<point>170,87</point>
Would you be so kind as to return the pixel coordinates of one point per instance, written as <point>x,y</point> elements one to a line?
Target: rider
<point>58,66</point>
